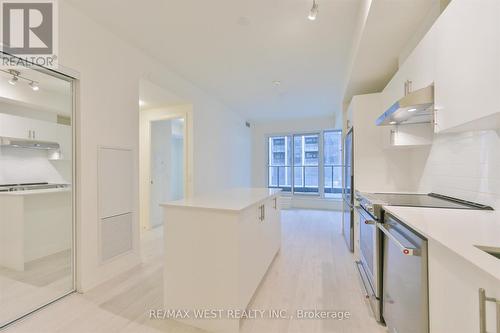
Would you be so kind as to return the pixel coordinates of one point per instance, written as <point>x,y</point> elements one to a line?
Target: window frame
<point>321,161</point>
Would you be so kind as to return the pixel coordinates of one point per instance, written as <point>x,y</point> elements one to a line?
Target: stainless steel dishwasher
<point>405,300</point>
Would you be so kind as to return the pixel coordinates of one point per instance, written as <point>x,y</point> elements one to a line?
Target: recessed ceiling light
<point>412,110</point>
<point>393,122</point>
<point>276,83</point>
<point>313,13</point>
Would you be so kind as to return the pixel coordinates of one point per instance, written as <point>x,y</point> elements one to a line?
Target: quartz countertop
<point>36,192</point>
<point>458,230</point>
<point>231,200</point>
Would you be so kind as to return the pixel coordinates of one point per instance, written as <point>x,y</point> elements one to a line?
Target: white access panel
<point>116,235</point>
<point>116,181</point>
<point>115,197</point>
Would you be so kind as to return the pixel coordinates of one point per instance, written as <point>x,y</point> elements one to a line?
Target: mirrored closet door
<point>36,190</point>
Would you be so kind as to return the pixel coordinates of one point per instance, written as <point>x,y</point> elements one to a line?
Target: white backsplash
<point>19,165</point>
<point>464,165</point>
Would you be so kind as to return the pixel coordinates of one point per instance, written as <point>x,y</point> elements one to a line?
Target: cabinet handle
<point>275,203</point>
<point>29,134</point>
<point>482,310</point>
<point>408,87</point>
<point>261,218</point>
<point>263,212</point>
<point>34,135</point>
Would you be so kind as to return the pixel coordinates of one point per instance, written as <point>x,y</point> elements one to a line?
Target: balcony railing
<point>306,178</point>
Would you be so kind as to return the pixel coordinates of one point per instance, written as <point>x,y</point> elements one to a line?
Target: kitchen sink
<point>493,251</point>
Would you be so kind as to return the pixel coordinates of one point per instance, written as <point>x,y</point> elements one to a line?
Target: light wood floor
<point>313,270</point>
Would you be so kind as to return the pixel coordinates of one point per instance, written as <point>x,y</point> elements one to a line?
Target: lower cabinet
<point>260,240</point>
<point>454,285</point>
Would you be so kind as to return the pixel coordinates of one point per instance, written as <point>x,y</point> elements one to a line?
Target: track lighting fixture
<point>313,13</point>
<point>13,80</point>
<point>16,76</point>
<point>34,86</point>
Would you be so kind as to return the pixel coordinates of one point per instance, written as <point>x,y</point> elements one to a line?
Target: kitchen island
<point>218,247</point>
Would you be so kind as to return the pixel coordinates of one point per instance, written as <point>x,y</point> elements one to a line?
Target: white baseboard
<point>305,202</point>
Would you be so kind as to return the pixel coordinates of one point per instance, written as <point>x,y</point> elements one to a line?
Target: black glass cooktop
<point>425,200</point>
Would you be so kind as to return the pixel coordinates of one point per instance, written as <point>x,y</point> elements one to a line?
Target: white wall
<point>464,165</point>
<point>19,165</point>
<point>110,71</point>
<point>260,131</point>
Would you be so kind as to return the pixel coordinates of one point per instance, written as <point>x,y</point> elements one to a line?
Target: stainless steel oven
<point>393,258</point>
<point>369,263</point>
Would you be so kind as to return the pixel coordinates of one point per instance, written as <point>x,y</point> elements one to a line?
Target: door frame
<point>144,205</point>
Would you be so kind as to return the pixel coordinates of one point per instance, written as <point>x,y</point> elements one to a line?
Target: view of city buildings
<point>302,163</point>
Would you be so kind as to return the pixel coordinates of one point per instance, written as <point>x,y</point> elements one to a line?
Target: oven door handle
<point>360,267</point>
<point>407,251</point>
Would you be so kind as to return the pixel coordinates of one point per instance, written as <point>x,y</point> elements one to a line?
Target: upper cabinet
<point>467,81</point>
<point>23,128</point>
<point>460,55</point>
<point>420,66</point>
<point>415,73</point>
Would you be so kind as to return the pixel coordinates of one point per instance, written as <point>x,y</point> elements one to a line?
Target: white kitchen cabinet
<point>31,129</point>
<point>418,69</point>
<point>453,293</point>
<point>394,90</point>
<point>409,135</point>
<point>420,66</point>
<point>218,247</point>
<point>467,81</point>
<point>15,127</point>
<point>33,225</point>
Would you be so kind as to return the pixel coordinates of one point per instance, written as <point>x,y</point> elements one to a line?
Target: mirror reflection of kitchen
<point>36,201</point>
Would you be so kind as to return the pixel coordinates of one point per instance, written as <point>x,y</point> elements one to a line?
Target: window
<point>306,163</point>
<point>280,163</point>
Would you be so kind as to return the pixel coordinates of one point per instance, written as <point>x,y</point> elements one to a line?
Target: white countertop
<point>458,230</point>
<point>35,192</point>
<point>232,200</point>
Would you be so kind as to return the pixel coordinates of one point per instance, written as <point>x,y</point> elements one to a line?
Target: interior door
<point>160,167</point>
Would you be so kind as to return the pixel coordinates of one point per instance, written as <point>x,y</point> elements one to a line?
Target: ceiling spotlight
<point>276,83</point>
<point>393,122</point>
<point>412,110</point>
<point>34,85</point>
<point>313,13</point>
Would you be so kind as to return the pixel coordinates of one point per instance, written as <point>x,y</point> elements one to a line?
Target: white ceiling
<point>235,49</point>
<point>390,29</point>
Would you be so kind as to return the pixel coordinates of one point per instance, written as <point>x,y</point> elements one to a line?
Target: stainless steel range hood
<point>28,144</point>
<point>415,108</point>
